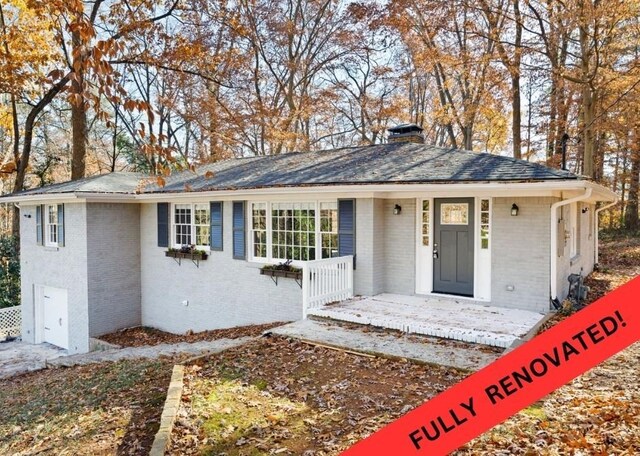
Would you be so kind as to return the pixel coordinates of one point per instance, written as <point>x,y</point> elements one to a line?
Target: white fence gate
<point>325,281</point>
<point>10,321</point>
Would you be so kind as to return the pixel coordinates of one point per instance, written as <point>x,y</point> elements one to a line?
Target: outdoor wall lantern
<point>585,210</point>
<point>514,210</point>
<point>397,209</point>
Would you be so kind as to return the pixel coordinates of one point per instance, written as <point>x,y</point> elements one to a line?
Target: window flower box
<point>282,270</point>
<point>187,253</point>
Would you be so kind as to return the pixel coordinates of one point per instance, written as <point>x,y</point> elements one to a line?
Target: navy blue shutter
<point>239,231</point>
<point>39,225</point>
<point>60,225</point>
<point>215,211</point>
<point>163,224</point>
<point>347,228</point>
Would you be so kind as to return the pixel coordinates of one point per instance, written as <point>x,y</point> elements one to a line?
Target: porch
<point>328,293</point>
<point>440,317</point>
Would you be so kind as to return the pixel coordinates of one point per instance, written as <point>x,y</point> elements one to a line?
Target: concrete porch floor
<point>448,318</point>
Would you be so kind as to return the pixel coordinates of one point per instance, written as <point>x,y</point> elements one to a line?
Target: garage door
<point>55,316</point>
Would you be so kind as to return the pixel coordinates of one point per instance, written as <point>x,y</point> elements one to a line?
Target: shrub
<point>9,272</point>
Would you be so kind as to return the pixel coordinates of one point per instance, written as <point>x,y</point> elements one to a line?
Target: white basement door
<point>56,319</point>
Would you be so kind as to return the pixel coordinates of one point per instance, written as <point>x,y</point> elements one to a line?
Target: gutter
<point>554,237</point>
<point>597,228</point>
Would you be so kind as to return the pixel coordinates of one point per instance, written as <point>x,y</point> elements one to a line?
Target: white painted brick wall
<point>400,247</point>
<point>369,273</point>
<point>520,253</point>
<point>64,267</point>
<point>222,293</point>
<point>113,267</point>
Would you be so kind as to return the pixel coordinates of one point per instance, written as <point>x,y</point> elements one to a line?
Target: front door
<point>453,246</point>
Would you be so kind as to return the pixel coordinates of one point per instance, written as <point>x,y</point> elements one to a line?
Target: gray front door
<point>453,246</point>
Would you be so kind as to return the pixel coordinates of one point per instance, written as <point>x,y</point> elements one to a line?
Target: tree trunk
<point>467,135</point>
<point>588,139</point>
<point>516,117</point>
<point>78,117</point>
<point>553,112</point>
<point>631,221</point>
<point>79,140</point>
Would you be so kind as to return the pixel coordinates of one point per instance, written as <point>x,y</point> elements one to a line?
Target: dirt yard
<point>143,336</point>
<point>279,397</point>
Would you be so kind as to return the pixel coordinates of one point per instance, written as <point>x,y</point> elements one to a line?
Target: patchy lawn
<point>274,396</point>
<point>101,409</point>
<point>141,335</point>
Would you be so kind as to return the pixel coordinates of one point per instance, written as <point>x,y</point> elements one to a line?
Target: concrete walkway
<point>422,349</point>
<point>19,357</point>
<point>151,352</point>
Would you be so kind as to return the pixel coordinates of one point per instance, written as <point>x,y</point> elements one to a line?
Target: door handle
<point>435,255</point>
<point>60,321</point>
<point>47,329</point>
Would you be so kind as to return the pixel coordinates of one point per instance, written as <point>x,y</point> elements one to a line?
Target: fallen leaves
<point>98,409</point>
<point>275,396</point>
<point>599,412</point>
<point>142,336</point>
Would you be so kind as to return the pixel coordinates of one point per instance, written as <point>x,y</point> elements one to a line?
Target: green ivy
<point>9,272</point>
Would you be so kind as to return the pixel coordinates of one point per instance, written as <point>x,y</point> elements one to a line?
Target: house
<point>102,253</point>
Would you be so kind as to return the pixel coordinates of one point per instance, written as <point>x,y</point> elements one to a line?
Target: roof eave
<point>600,193</point>
<point>69,197</point>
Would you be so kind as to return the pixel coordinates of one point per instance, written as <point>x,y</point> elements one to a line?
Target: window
<point>293,231</point>
<point>191,225</point>
<point>300,231</point>
<point>259,229</point>
<point>426,214</point>
<point>51,225</point>
<point>485,223</point>
<point>454,214</point>
<point>329,229</point>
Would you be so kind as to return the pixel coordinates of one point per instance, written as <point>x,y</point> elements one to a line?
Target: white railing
<point>325,281</point>
<point>10,321</point>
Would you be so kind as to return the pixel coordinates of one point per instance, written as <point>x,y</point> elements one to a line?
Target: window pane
<point>328,229</point>
<point>182,224</point>
<point>259,229</point>
<point>484,223</point>
<point>454,214</point>
<point>425,223</point>
<point>293,231</point>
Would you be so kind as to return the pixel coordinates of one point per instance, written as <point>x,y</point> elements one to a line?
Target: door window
<point>454,214</point>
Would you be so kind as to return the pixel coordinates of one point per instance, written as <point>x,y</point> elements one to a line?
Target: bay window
<point>298,231</point>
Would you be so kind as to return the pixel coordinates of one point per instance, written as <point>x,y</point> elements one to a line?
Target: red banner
<point>514,381</point>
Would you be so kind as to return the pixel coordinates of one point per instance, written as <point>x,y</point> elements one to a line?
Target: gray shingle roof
<point>380,164</point>
<point>103,183</point>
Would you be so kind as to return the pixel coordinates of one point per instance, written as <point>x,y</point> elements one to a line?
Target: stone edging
<point>169,412</point>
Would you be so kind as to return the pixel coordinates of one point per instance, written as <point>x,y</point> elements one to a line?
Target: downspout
<point>554,237</point>
<point>597,228</point>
